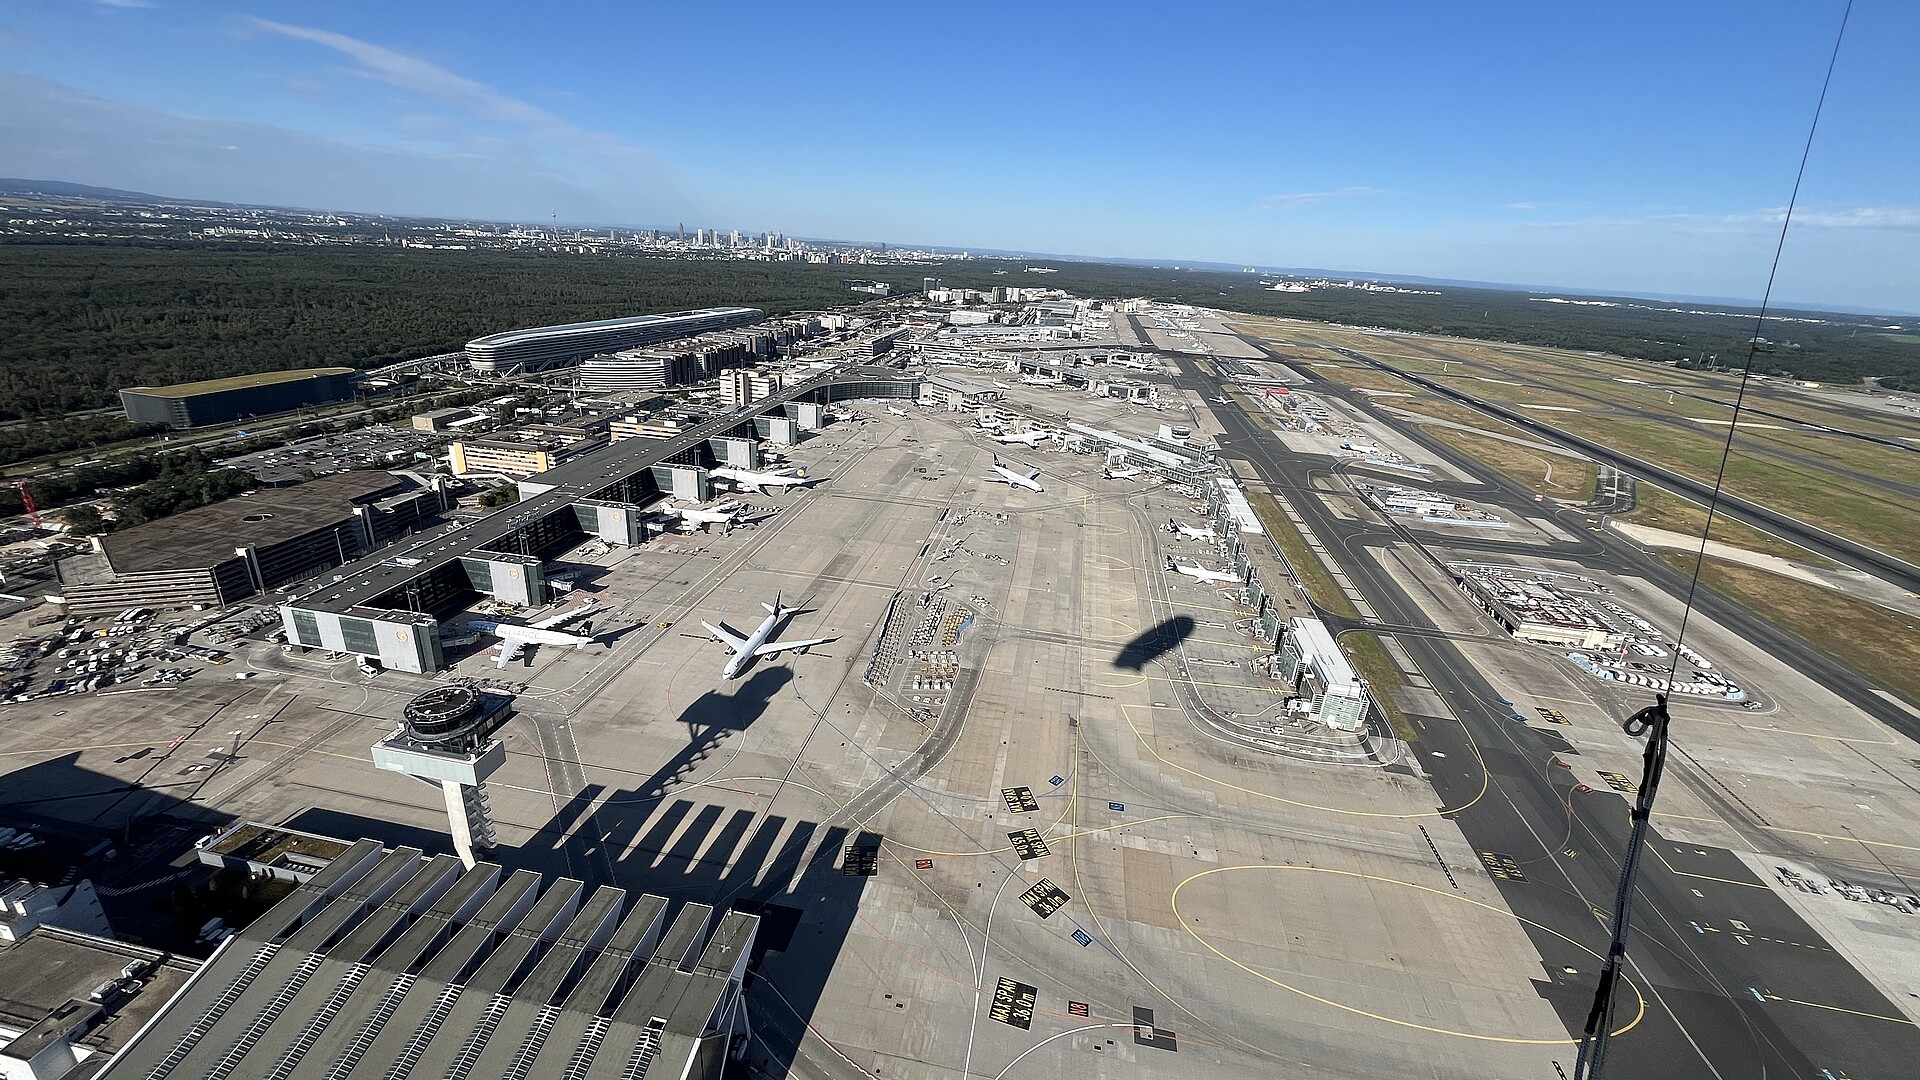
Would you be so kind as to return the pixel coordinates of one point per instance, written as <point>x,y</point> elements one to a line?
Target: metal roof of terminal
<point>534,333</point>
<point>363,582</point>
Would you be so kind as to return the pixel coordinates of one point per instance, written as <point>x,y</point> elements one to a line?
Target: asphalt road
<point>1769,1000</point>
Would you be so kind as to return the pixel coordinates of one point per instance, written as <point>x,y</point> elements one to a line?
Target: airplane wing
<point>734,641</point>
<point>772,647</point>
<point>508,652</point>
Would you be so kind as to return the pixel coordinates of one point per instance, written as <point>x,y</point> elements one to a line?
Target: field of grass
<point>1881,644</point>
<point>1369,657</point>
<point>1320,586</point>
<point>1354,375</point>
<point>1551,475</point>
<point>1487,387</point>
<point>1660,509</point>
<point>1837,503</point>
<point>1447,410</point>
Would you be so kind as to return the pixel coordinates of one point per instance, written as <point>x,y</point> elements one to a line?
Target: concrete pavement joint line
<point>1106,938</point>
<point>1209,946</point>
<point>1125,714</point>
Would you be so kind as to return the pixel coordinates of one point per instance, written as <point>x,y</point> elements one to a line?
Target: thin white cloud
<point>1520,206</point>
<point>1308,198</point>
<point>1860,217</point>
<point>57,132</point>
<point>608,155</point>
<point>125,4</point>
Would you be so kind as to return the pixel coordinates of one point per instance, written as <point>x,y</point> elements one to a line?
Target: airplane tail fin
<point>773,608</point>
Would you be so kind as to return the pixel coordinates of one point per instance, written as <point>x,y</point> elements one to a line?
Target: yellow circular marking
<point>1174,902</point>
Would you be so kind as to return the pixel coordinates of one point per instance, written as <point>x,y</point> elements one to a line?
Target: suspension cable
<point>1653,720</point>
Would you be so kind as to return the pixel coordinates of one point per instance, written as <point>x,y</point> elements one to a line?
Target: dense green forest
<point>78,322</point>
<point>150,487</point>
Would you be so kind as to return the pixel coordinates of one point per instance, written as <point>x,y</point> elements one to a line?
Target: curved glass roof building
<point>543,347</point>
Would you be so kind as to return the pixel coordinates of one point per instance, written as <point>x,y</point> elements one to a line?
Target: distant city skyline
<point>1641,150</point>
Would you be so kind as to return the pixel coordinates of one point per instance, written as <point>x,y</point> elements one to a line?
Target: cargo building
<point>221,401</point>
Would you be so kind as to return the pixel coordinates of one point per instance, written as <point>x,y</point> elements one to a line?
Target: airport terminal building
<point>1311,663</point>
<point>386,606</point>
<point>215,555</point>
<point>542,347</point>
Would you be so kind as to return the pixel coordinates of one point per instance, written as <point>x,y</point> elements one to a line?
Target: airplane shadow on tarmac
<point>1156,642</point>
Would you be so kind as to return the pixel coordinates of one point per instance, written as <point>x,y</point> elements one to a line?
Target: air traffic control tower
<point>447,738</point>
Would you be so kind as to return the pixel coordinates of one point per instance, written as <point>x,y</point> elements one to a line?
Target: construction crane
<point>26,500</point>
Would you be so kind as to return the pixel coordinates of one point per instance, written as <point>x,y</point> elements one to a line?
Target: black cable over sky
<point>1653,721</point>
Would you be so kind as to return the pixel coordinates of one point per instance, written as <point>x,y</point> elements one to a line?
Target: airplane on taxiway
<point>1030,481</point>
<point>753,646</point>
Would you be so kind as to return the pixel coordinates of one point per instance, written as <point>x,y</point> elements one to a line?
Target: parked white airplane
<point>1031,437</point>
<point>896,412</point>
<point>754,646</point>
<point>758,481</point>
<point>1358,446</point>
<point>1199,573</point>
<point>1119,474</point>
<point>1038,380</point>
<point>1014,479</point>
<point>516,637</point>
<point>696,517</point>
<point>1189,531</point>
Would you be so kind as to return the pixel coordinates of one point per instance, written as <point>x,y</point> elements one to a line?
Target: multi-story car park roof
<point>540,347</point>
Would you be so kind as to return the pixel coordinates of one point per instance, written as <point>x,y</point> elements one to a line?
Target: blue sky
<point>1626,146</point>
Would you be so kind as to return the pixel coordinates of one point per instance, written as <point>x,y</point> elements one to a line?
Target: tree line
<point>78,322</point>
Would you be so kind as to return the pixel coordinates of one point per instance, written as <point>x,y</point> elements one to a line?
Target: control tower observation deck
<point>386,606</point>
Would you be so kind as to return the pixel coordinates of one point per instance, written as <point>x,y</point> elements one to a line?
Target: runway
<point>1736,982</point>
